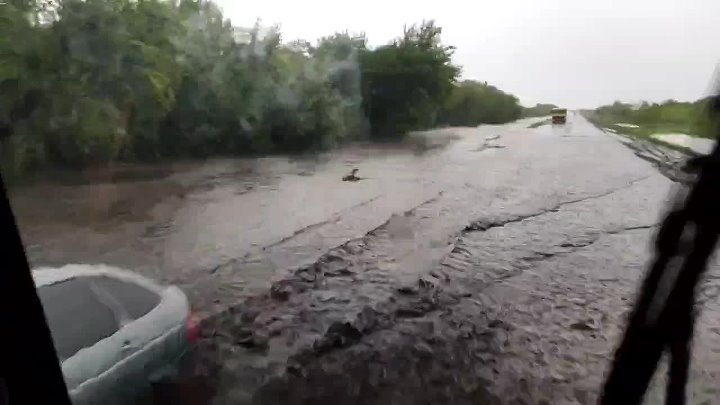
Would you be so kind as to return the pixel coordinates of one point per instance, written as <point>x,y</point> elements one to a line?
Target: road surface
<point>495,270</point>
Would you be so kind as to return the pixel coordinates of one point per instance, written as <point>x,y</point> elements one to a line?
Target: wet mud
<point>496,269</point>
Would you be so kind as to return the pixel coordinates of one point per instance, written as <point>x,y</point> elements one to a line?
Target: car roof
<point>45,276</point>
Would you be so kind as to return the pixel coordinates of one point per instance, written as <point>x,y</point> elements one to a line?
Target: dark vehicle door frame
<point>30,372</point>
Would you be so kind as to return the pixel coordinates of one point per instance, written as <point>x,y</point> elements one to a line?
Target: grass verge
<point>640,133</point>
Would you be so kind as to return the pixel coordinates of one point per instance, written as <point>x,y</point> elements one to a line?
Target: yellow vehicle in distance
<point>559,115</point>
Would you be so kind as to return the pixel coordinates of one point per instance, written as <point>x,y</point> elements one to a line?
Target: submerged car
<point>120,337</point>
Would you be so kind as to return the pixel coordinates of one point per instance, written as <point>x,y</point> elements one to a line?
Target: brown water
<point>223,229</point>
<point>465,274</point>
<point>186,222</point>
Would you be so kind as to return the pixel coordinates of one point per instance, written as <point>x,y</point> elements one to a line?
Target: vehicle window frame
<point>29,357</point>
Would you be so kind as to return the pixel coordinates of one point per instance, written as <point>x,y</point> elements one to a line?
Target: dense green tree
<point>473,103</point>
<point>406,83</point>
<point>87,82</point>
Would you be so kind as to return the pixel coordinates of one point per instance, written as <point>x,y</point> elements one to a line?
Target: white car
<point>118,335</point>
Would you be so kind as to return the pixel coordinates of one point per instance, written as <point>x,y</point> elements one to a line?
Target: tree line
<point>88,82</point>
<point>539,110</point>
<point>670,116</point>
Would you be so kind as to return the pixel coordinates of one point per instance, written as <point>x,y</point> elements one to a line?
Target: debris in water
<point>256,340</point>
<point>352,176</point>
<point>487,145</point>
<point>281,291</point>
<point>407,290</point>
<point>339,334</point>
<point>586,325</point>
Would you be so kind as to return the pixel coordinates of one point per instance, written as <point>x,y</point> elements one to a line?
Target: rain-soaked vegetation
<point>90,82</point>
<point>539,110</point>
<point>646,118</point>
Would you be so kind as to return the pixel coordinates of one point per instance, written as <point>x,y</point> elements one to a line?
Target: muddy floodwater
<point>239,220</point>
<point>493,265</point>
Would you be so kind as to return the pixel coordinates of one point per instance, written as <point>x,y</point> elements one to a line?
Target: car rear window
<point>76,317</point>
<point>136,300</point>
<point>84,310</point>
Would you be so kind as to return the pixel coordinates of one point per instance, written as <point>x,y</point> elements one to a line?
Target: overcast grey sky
<point>576,53</point>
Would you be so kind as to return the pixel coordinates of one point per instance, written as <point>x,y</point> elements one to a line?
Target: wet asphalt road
<point>488,271</point>
<point>508,286</point>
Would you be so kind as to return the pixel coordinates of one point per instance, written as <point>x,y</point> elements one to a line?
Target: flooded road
<point>192,223</point>
<point>497,269</point>
<point>225,228</point>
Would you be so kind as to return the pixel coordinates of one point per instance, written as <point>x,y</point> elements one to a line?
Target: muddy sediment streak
<point>346,330</point>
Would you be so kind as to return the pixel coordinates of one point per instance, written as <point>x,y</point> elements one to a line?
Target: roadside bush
<point>539,110</point>
<point>405,84</point>
<point>472,103</point>
<point>667,117</point>
<point>88,82</point>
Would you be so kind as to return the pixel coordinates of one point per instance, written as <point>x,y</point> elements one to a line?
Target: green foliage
<point>406,83</point>
<point>91,81</point>
<point>88,82</point>
<point>539,110</point>
<point>472,103</point>
<point>670,116</point>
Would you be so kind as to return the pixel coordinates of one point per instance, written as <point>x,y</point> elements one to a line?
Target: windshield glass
<point>386,202</point>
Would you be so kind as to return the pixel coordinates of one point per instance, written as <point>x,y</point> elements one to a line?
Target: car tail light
<point>193,329</point>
